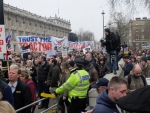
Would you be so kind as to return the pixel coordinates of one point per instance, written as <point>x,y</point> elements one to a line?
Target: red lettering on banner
<point>33,46</point>
<point>37,46</point>
<point>0,29</point>
<point>49,46</point>
<point>23,44</point>
<point>60,43</point>
<point>1,42</point>
<point>0,49</point>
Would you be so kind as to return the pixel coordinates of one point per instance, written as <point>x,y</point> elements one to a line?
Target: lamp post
<point>103,22</point>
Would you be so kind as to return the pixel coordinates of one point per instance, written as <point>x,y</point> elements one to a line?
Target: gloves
<point>52,89</point>
<point>55,93</point>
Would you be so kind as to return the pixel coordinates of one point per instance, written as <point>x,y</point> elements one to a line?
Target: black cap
<point>100,82</point>
<point>79,61</point>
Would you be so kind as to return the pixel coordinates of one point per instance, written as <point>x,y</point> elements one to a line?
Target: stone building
<point>24,23</point>
<point>139,33</point>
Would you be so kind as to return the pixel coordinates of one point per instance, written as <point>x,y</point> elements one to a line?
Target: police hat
<point>79,61</point>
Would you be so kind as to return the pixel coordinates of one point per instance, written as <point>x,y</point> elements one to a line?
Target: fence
<point>52,109</point>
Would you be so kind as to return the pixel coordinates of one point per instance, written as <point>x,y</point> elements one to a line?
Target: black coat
<point>43,72</point>
<point>53,76</point>
<point>111,43</point>
<point>22,97</point>
<point>137,101</point>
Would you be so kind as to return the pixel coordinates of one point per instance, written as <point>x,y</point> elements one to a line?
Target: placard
<point>2,39</point>
<point>148,81</point>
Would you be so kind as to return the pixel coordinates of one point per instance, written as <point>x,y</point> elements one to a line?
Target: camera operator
<point>110,42</point>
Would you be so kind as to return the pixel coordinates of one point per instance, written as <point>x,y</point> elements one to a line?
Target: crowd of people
<point>71,77</point>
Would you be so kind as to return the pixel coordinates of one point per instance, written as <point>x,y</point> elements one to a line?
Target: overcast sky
<point>84,14</point>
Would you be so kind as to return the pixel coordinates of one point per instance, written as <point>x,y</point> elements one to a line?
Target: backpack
<point>142,77</point>
<point>118,47</point>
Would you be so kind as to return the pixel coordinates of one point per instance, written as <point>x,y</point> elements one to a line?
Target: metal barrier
<point>51,109</point>
<point>30,104</point>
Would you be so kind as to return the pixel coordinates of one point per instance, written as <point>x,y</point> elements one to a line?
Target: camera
<point>102,42</point>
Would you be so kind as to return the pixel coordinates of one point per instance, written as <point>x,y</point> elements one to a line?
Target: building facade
<point>139,33</point>
<point>24,23</point>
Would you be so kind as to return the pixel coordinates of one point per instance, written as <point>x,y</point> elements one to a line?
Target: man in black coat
<point>111,45</point>
<point>42,80</point>
<point>20,90</point>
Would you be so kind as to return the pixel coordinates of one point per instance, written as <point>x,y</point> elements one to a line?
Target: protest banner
<point>34,43</point>
<point>148,81</point>
<point>89,43</point>
<point>2,29</point>
<point>77,45</point>
<point>27,44</point>
<point>60,41</point>
<point>50,53</point>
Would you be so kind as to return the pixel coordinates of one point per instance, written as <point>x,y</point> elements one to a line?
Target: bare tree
<point>85,35</point>
<point>132,6</point>
<point>119,23</point>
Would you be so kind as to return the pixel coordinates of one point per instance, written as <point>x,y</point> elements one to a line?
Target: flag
<point>9,37</point>
<point>7,57</point>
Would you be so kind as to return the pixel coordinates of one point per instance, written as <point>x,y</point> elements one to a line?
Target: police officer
<point>77,86</point>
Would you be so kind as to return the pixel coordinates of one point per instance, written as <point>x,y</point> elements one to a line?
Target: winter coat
<point>43,72</point>
<point>110,42</point>
<point>103,69</point>
<point>136,82</point>
<point>53,76</point>
<point>146,71</point>
<point>32,87</point>
<point>105,104</point>
<point>22,97</point>
<point>63,79</point>
<point>93,74</point>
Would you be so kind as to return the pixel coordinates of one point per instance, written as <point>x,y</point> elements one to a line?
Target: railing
<point>49,110</point>
<point>30,104</point>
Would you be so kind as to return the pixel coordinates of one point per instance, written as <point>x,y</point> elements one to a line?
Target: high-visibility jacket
<point>77,85</point>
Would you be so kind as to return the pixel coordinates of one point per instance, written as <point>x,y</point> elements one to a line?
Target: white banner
<point>60,41</point>
<point>2,39</point>
<point>89,43</point>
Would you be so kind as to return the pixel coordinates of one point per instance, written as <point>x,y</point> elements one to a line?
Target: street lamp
<point>103,22</point>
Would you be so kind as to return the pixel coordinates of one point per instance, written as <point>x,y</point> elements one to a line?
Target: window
<point>12,23</point>
<point>137,37</point>
<point>19,24</point>
<point>142,30</point>
<point>137,30</point>
<point>33,27</point>
<point>142,37</point>
<point>137,44</point>
<point>26,25</point>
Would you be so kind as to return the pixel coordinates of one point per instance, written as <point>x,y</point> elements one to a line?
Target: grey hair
<point>15,66</point>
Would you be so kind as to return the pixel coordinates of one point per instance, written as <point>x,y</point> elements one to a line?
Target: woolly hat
<point>144,58</point>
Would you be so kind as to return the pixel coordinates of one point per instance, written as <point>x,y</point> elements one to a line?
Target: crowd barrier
<point>53,109</point>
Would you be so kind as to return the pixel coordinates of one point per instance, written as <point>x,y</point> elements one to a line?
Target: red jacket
<point>32,88</point>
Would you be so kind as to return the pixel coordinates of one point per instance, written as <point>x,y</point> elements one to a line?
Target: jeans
<point>112,67</point>
<point>42,87</point>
